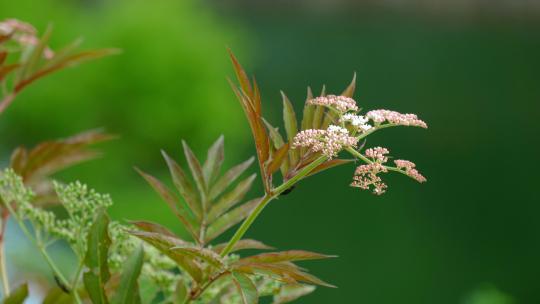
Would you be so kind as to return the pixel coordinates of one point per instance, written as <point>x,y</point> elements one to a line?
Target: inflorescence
<point>352,128</point>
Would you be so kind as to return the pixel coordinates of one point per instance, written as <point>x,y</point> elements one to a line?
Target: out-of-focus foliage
<point>173,63</point>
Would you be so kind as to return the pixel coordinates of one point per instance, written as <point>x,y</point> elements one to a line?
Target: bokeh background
<point>470,68</point>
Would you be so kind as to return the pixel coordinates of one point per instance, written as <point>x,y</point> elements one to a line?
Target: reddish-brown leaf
<point>330,164</point>
<point>242,245</point>
<point>349,91</point>
<point>277,158</point>
<point>284,256</point>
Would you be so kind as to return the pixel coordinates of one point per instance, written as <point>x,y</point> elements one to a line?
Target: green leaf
<point>291,127</point>
<point>243,244</point>
<point>291,292</point>
<point>181,211</point>
<point>57,296</point>
<point>285,256</point>
<point>183,185</point>
<point>307,117</point>
<point>230,219</point>
<point>128,291</point>
<point>164,243</point>
<point>196,170</point>
<point>231,198</point>
<point>246,289</point>
<point>18,295</point>
<point>181,293</point>
<point>214,160</point>
<point>228,178</point>
<point>349,91</point>
<point>96,259</point>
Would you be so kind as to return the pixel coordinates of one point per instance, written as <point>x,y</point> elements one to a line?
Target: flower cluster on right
<point>348,129</point>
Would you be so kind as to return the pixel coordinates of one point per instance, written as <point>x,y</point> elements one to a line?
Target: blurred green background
<point>472,72</point>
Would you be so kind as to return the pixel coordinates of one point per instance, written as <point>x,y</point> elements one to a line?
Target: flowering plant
<point>116,260</point>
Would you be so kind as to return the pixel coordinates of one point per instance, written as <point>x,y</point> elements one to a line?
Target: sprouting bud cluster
<point>156,267</point>
<point>330,141</point>
<point>396,118</point>
<point>340,103</point>
<point>366,176</point>
<point>410,169</point>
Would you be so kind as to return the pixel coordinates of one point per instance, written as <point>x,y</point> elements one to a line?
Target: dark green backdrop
<point>475,81</point>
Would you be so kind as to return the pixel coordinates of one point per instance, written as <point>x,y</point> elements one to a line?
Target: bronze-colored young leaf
<point>349,91</point>
<point>231,198</point>
<point>242,245</point>
<point>183,185</point>
<point>52,156</point>
<point>17,296</point>
<point>278,158</point>
<point>250,99</point>
<point>228,178</point>
<point>204,254</point>
<point>278,142</point>
<point>96,259</point>
<point>285,256</point>
<point>330,164</point>
<point>229,219</point>
<point>128,291</point>
<point>291,292</point>
<point>164,243</point>
<point>182,212</point>
<point>284,272</point>
<point>214,160</point>
<point>245,287</point>
<point>153,227</point>
<point>69,61</point>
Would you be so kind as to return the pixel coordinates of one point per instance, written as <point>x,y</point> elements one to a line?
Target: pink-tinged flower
<point>379,116</point>
<point>340,103</point>
<point>409,168</point>
<point>378,154</point>
<point>11,26</point>
<point>366,177</point>
<point>330,141</point>
<point>23,33</point>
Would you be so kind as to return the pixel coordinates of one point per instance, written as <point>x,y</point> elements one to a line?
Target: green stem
<point>76,282</point>
<point>41,246</point>
<point>266,199</point>
<point>3,266</point>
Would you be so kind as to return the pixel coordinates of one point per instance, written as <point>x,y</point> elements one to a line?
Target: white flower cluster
<point>359,122</point>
